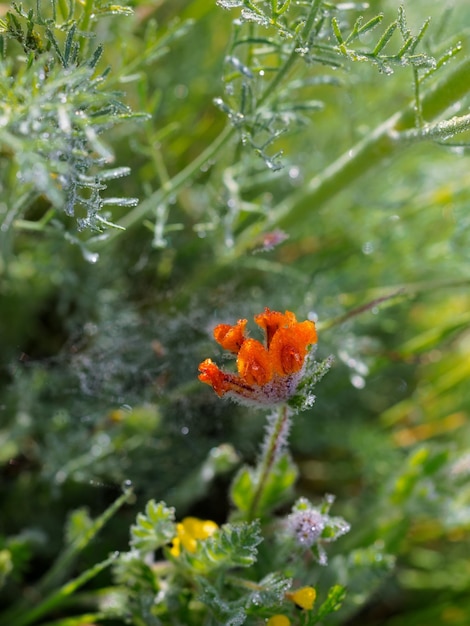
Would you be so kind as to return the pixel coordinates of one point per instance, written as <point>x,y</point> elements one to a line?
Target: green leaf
<point>278,487</point>
<point>6,565</point>
<point>314,372</point>
<point>234,545</point>
<point>225,612</point>
<point>131,571</point>
<point>153,529</point>
<point>270,591</point>
<point>78,524</point>
<point>242,490</point>
<point>333,603</point>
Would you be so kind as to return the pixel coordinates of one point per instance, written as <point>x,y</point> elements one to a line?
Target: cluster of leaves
<point>218,574</point>
<point>54,111</point>
<point>268,39</point>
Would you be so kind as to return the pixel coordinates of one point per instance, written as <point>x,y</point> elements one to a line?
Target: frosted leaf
<point>251,16</point>
<point>238,65</point>
<point>116,172</point>
<point>126,202</point>
<point>229,4</point>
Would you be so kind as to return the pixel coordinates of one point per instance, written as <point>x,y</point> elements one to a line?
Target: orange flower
<point>231,337</point>
<point>268,373</point>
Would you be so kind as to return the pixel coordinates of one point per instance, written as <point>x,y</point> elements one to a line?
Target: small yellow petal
<point>175,549</point>
<point>303,597</point>
<point>188,542</point>
<point>208,528</point>
<point>198,528</point>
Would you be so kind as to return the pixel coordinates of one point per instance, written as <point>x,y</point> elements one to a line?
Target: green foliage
<point>272,165</point>
<point>55,108</point>
<point>78,525</point>
<point>153,529</point>
<point>276,490</point>
<point>332,603</point>
<point>405,55</point>
<point>6,565</point>
<point>303,398</point>
<point>234,545</point>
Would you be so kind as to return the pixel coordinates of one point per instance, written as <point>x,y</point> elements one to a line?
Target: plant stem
<point>293,56</point>
<point>298,209</point>
<point>270,452</point>
<point>439,130</point>
<point>20,614</point>
<point>187,174</point>
<point>61,594</point>
<point>176,183</point>
<point>59,568</point>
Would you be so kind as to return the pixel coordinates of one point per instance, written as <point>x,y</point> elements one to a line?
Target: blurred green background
<point>99,356</point>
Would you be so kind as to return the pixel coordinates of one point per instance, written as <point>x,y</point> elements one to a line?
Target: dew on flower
<point>306,526</point>
<point>269,372</point>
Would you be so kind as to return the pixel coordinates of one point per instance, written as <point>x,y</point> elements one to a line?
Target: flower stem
<point>174,185</point>
<point>273,444</point>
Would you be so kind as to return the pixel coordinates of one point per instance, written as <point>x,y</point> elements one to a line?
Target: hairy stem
<point>273,444</point>
<point>439,130</point>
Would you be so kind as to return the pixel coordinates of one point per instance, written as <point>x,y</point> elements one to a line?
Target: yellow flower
<point>189,532</point>
<point>278,620</point>
<point>303,597</point>
<point>269,372</point>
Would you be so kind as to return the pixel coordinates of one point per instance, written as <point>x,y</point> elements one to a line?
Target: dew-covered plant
<point>55,110</point>
<point>246,570</point>
<point>207,159</point>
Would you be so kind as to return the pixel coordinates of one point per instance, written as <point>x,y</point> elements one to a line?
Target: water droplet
<point>60,477</point>
<point>368,247</point>
<point>251,16</point>
<point>229,4</point>
<point>238,65</point>
<point>294,172</point>
<point>256,599</point>
<point>358,381</point>
<point>91,257</point>
<point>127,486</point>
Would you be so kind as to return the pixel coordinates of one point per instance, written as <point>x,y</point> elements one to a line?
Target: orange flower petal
<point>254,363</point>
<point>231,337</point>
<point>271,321</point>
<point>288,348</point>
<point>212,375</point>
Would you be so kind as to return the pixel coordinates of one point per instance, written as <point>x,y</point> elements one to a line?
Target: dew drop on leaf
<point>126,486</point>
